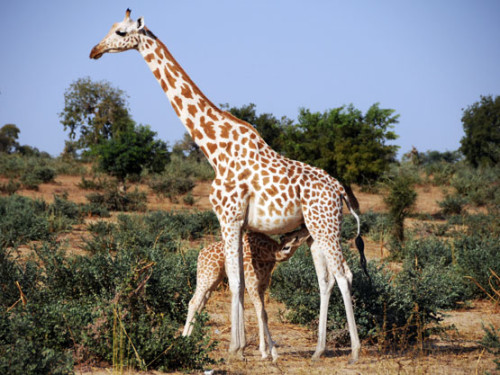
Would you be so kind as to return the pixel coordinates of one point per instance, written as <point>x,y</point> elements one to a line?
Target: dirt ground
<point>456,353</point>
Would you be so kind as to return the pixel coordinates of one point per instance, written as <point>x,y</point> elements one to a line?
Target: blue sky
<point>426,59</point>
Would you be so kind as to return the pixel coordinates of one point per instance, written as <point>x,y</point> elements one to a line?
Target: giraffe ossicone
<point>255,188</point>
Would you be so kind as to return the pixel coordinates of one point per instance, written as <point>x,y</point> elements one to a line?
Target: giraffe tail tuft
<point>359,240</point>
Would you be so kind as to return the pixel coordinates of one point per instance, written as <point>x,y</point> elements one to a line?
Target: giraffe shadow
<point>333,353</point>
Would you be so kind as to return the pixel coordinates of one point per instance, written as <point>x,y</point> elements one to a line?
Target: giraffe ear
<point>140,23</point>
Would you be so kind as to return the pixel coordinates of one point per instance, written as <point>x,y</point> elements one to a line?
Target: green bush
<point>24,347</point>
<point>22,220</point>
<point>475,256</point>
<point>90,307</point>
<point>164,230</point>
<point>10,187</point>
<point>95,183</point>
<point>400,197</point>
<point>189,199</point>
<point>45,174</point>
<point>440,173</point>
<point>372,224</point>
<point>39,165</point>
<point>116,200</point>
<point>30,181</point>
<point>197,170</point>
<point>170,186</point>
<point>387,310</point>
<point>482,225</point>
<point>452,205</point>
<point>491,342</point>
<point>478,186</point>
<point>93,209</point>
<point>430,270</point>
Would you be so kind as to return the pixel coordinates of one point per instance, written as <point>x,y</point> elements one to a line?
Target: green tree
<point>187,148</point>
<point>350,146</point>
<point>269,127</point>
<point>481,122</point>
<point>130,152</point>
<point>94,111</point>
<point>9,133</point>
<point>400,197</point>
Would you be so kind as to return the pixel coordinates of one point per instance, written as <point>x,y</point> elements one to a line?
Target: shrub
<point>452,205</point>
<point>21,221</point>
<point>30,181</point>
<point>388,310</point>
<point>481,225</point>
<point>475,256</point>
<point>95,306</point>
<point>24,349</point>
<point>430,268</point>
<point>372,224</point>
<point>491,342</point>
<point>93,209</point>
<point>478,186</point>
<point>197,170</point>
<point>10,187</point>
<point>170,186</point>
<point>189,199</point>
<point>116,200</point>
<point>163,230</point>
<point>441,172</point>
<point>94,184</point>
<point>400,198</point>
<point>44,174</point>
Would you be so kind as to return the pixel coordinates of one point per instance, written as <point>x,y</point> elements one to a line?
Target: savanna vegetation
<point>106,279</point>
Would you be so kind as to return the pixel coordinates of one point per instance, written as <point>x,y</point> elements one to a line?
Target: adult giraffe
<point>255,188</point>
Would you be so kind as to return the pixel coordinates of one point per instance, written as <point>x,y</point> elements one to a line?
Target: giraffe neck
<point>208,126</point>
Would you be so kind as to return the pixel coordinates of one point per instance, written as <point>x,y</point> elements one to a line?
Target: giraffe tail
<point>360,245</point>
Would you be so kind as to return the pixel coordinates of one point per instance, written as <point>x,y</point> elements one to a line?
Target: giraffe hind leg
<point>326,284</point>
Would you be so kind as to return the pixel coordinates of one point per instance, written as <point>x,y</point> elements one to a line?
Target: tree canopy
<point>481,122</point>
<point>268,126</point>
<point>94,111</point>
<point>9,133</point>
<point>131,151</point>
<point>349,145</point>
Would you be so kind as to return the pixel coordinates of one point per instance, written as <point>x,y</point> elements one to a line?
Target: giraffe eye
<point>121,33</point>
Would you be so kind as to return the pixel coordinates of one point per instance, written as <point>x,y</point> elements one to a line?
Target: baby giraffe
<point>260,254</point>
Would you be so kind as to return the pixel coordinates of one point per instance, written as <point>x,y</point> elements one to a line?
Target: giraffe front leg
<point>196,304</point>
<point>209,273</point>
<point>234,271</point>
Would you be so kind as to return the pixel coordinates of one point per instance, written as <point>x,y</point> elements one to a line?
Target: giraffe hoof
<point>320,350</point>
<point>354,356</point>
<point>274,355</point>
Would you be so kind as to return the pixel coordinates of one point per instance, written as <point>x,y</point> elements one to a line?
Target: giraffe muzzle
<point>95,53</point>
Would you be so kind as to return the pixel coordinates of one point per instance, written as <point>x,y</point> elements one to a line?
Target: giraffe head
<point>123,36</point>
<point>291,242</point>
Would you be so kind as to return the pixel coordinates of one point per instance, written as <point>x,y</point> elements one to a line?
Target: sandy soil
<point>456,354</point>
